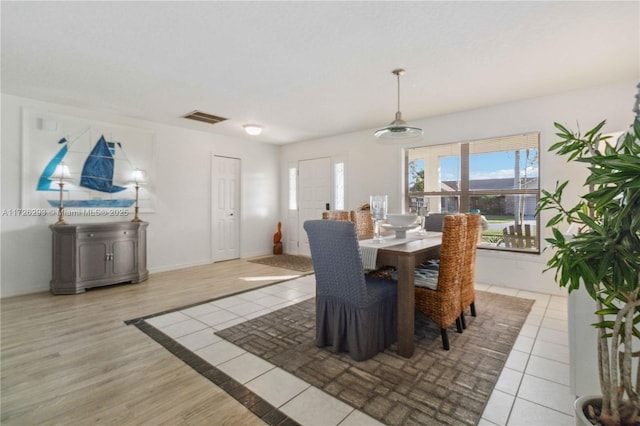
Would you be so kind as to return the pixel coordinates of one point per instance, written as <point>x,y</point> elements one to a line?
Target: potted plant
<point>603,257</point>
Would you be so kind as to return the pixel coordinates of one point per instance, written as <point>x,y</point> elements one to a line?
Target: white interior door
<point>314,193</point>
<point>226,208</point>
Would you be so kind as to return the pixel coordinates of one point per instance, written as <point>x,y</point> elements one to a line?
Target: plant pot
<point>583,401</point>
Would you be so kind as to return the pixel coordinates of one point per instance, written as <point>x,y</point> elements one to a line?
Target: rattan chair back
<point>467,290</point>
<point>336,215</point>
<point>363,221</point>
<point>442,305</point>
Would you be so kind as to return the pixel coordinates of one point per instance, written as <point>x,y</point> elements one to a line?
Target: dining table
<point>403,254</point>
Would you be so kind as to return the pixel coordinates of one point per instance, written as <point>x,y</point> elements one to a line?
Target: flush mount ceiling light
<point>252,129</point>
<point>398,128</point>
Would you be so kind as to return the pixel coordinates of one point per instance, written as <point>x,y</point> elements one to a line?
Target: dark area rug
<point>434,387</point>
<point>287,261</point>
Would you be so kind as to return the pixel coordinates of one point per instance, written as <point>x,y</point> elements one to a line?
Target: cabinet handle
<point>91,235</point>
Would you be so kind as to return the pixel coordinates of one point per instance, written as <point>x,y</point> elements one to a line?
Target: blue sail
<point>97,172</point>
<point>44,183</point>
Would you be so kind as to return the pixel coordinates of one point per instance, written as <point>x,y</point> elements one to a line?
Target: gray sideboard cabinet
<point>96,254</point>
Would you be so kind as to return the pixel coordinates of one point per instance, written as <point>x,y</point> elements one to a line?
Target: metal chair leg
<point>445,339</point>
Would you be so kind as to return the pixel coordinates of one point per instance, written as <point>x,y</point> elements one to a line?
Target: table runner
<point>369,248</point>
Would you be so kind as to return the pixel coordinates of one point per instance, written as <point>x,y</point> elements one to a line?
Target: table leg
<point>406,305</point>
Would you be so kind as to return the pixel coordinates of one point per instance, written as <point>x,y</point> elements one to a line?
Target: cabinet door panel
<point>124,257</point>
<point>92,260</point>
<point>64,269</point>
<point>142,251</point>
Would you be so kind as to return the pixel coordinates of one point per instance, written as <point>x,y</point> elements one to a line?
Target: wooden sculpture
<point>277,243</point>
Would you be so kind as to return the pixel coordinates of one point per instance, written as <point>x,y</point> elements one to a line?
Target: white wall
<point>179,233</point>
<point>376,168</point>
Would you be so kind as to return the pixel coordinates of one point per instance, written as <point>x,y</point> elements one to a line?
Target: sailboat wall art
<point>100,156</point>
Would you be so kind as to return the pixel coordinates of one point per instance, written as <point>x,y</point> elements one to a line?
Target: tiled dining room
<point>532,389</point>
<point>150,151</point>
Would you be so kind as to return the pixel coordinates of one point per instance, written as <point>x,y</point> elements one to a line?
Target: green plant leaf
<point>608,311</point>
<point>591,133</point>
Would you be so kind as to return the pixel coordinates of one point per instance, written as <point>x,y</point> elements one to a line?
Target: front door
<point>225,200</point>
<point>314,193</point>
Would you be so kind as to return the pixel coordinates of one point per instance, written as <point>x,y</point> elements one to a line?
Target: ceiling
<point>306,70</point>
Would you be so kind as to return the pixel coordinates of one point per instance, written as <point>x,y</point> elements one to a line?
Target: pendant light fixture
<point>398,128</point>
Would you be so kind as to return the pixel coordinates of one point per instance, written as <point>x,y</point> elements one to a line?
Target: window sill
<point>529,256</point>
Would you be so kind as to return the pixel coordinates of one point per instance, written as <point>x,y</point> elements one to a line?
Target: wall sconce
<point>137,178</point>
<point>60,176</point>
<point>252,129</point>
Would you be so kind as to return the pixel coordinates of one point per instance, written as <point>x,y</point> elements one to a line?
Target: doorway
<point>225,208</point>
<point>314,195</point>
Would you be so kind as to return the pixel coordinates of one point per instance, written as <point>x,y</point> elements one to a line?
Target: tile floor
<point>533,388</point>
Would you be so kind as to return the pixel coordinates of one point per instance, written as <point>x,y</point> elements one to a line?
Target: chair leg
<point>445,339</point>
<point>473,309</point>
<point>463,321</point>
<point>459,321</point>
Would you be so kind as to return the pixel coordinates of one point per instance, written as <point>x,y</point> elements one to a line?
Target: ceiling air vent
<point>204,117</point>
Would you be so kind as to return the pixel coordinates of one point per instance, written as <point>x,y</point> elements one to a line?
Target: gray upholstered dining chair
<point>434,221</point>
<point>354,313</point>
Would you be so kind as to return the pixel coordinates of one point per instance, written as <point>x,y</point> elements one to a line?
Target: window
<point>293,174</point>
<point>338,182</point>
<point>498,177</point>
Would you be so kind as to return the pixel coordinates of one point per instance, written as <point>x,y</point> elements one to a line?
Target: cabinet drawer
<point>108,235</point>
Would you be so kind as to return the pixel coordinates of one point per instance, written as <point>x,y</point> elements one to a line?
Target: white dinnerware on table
<point>401,219</point>
<point>401,231</point>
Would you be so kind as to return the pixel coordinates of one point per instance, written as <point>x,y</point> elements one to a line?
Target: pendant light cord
<point>398,76</point>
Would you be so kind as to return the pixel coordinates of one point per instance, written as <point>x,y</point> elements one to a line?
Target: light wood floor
<point>71,360</point>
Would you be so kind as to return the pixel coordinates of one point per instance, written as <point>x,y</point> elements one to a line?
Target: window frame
<point>464,194</point>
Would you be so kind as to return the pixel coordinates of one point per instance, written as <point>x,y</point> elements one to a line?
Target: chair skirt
<point>362,332</point>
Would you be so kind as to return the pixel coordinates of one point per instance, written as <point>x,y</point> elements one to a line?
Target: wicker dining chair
<point>354,313</point>
<point>336,215</point>
<point>442,303</point>
<point>363,221</point>
<point>467,285</point>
